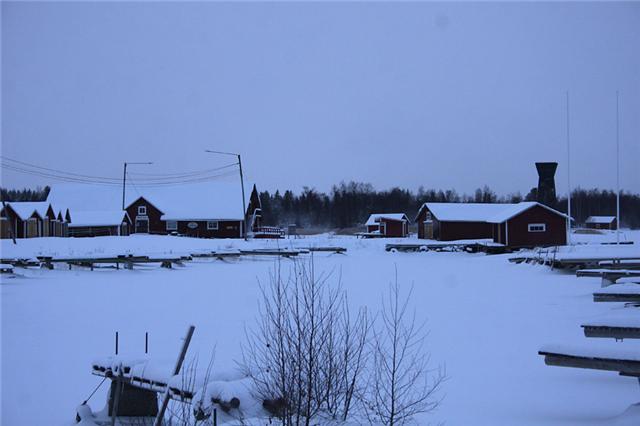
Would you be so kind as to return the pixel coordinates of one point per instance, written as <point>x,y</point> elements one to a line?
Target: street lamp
<point>124,179</point>
<point>244,207</point>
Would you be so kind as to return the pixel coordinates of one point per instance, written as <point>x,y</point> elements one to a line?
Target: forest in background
<point>348,205</point>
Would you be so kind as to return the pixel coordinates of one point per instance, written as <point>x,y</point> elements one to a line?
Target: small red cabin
<point>388,225</point>
<point>602,222</point>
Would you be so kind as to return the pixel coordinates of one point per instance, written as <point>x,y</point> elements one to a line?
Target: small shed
<point>601,222</point>
<point>99,223</point>
<point>21,220</point>
<point>46,212</point>
<point>388,224</point>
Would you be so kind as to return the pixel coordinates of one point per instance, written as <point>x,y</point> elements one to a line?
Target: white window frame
<point>142,210</point>
<point>533,227</point>
<point>174,227</point>
<point>212,225</point>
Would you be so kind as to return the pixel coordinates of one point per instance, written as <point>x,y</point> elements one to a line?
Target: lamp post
<point>124,180</point>
<point>244,206</point>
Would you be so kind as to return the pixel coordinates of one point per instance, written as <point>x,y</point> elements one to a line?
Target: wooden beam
<point>176,371</point>
<point>611,332</point>
<point>591,363</point>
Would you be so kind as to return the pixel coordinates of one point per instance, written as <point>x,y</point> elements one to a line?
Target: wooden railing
<point>272,231</point>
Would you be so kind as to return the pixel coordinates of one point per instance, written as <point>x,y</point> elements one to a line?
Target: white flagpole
<point>568,176</point>
<point>617,168</point>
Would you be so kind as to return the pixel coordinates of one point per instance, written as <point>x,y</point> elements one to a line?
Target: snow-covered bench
<point>625,362</point>
<point>619,325</point>
<point>627,292</point>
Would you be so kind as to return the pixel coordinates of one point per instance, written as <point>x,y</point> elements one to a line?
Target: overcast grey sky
<point>445,95</point>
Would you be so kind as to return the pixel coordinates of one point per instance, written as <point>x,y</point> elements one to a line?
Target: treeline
<point>349,204</point>
<point>25,194</point>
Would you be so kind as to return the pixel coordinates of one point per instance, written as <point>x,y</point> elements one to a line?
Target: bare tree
<point>402,383</point>
<point>306,355</point>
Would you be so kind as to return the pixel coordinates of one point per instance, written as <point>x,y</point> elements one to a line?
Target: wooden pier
<point>127,261</point>
<point>469,247</point>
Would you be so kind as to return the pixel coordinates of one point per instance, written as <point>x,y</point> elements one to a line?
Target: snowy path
<point>487,317</point>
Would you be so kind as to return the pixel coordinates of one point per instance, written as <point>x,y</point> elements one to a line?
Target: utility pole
<point>568,176</point>
<point>617,167</point>
<point>244,203</point>
<point>124,183</point>
<point>124,180</point>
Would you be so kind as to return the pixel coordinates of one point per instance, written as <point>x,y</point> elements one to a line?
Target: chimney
<point>547,183</point>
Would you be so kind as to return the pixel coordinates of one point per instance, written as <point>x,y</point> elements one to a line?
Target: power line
<point>58,171</point>
<point>159,176</point>
<point>169,179</point>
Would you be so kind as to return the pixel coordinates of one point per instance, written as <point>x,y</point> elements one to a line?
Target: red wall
<point>394,228</point>
<point>226,229</point>
<point>449,231</point>
<point>518,229</point>
<point>156,225</point>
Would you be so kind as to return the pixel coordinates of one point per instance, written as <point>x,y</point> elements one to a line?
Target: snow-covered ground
<point>488,319</point>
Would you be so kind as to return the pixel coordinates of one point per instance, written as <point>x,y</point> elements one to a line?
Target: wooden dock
<point>127,261</point>
<point>557,261</point>
<point>20,262</point>
<point>287,253</point>
<point>627,367</point>
<point>469,247</point>
<point>611,331</point>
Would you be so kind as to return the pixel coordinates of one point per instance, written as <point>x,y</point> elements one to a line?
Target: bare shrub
<point>402,383</point>
<point>306,354</point>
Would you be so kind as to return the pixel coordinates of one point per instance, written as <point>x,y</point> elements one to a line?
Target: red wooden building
<point>28,220</point>
<point>456,221</point>
<point>529,224</point>
<point>601,222</point>
<point>205,210</point>
<point>99,223</point>
<point>388,225</point>
<point>526,224</point>
<point>202,211</point>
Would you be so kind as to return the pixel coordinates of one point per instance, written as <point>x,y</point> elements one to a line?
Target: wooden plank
<point>611,332</point>
<point>616,297</point>
<point>283,253</point>
<point>324,249</point>
<point>607,272</point>
<point>591,363</point>
<point>176,371</point>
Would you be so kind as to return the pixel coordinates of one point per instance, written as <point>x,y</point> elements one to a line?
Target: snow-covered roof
<point>207,200</point>
<point>464,212</point>
<point>25,209</point>
<point>97,218</point>
<point>374,219</point>
<point>600,219</point>
<point>515,209</point>
<point>480,212</point>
